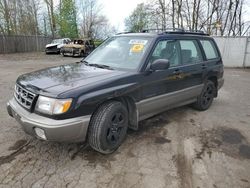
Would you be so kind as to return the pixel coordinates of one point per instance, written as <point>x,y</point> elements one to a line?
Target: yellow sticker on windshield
<point>136,48</point>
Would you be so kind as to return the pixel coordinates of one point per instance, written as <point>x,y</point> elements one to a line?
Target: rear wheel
<point>206,97</point>
<point>82,54</point>
<point>108,127</point>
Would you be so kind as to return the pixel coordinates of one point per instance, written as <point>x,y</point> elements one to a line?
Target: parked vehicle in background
<point>128,78</point>
<point>56,45</point>
<point>79,47</point>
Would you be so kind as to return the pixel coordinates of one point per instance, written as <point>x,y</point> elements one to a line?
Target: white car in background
<point>56,45</point>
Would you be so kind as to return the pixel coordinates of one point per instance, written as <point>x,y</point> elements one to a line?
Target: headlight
<point>52,106</point>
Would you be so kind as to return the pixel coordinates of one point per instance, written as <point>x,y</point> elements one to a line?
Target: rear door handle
<point>204,66</point>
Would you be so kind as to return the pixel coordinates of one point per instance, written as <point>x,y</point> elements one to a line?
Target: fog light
<point>40,133</point>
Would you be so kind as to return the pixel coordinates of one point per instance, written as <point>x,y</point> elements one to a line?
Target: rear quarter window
<point>209,49</point>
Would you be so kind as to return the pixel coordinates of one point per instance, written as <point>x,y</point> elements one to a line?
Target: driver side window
<point>167,49</point>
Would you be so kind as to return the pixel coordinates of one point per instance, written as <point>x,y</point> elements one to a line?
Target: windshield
<point>56,41</point>
<point>122,52</point>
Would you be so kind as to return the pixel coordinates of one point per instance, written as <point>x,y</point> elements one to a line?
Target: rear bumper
<point>220,82</point>
<point>68,130</point>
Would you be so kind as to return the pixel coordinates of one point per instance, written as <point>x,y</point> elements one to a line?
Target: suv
<point>79,47</point>
<point>128,78</point>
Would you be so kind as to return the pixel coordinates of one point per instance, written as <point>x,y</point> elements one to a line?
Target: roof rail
<point>175,31</point>
<point>161,31</point>
<point>125,32</point>
<point>158,30</point>
<point>149,30</point>
<point>182,31</point>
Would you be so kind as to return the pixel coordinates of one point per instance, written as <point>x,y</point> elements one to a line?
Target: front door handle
<point>177,72</point>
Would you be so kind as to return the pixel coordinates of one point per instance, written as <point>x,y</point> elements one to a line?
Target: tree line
<point>63,18</point>
<point>215,17</point>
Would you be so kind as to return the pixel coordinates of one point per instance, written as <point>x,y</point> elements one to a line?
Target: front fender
<point>99,96</point>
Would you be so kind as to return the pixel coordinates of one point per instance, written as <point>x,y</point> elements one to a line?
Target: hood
<point>50,45</point>
<point>55,80</point>
<point>73,45</point>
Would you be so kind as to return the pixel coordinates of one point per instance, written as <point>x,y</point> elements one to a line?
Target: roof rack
<point>161,31</point>
<point>125,32</point>
<point>175,31</point>
<point>186,32</point>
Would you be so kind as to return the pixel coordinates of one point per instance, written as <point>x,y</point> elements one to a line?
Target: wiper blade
<point>100,66</point>
<point>84,61</point>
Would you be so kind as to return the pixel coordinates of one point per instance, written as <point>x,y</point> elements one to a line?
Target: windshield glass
<point>121,52</point>
<point>57,41</point>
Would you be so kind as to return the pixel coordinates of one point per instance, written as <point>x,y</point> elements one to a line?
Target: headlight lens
<point>53,106</point>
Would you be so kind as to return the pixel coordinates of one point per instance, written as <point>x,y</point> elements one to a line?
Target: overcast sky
<point>118,10</point>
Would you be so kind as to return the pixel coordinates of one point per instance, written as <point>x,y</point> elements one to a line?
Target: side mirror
<point>160,64</point>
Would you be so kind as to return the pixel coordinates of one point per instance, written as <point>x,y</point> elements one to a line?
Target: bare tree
<point>91,18</point>
<point>138,19</point>
<point>216,17</point>
<point>5,7</point>
<point>19,17</point>
<point>51,15</point>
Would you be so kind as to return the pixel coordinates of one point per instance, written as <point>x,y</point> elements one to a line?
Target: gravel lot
<point>178,148</point>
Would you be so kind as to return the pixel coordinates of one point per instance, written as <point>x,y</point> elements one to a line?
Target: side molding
<point>154,105</point>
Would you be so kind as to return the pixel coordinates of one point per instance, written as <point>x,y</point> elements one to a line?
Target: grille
<point>24,97</point>
<point>68,50</point>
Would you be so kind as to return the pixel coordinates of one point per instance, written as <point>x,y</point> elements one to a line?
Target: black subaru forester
<point>130,77</point>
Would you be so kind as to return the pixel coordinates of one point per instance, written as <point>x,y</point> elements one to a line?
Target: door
<point>158,86</point>
<point>213,61</point>
<point>192,64</point>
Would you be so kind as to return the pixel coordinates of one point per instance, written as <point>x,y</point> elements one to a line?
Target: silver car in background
<point>56,45</point>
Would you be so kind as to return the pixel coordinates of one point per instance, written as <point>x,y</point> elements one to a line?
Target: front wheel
<point>108,127</point>
<point>205,99</point>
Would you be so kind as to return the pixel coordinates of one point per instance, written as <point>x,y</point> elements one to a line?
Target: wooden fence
<point>19,43</point>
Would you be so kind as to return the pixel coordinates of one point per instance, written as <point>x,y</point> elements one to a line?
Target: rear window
<point>209,49</point>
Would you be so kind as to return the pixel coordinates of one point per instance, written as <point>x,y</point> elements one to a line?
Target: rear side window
<point>209,49</point>
<point>190,52</point>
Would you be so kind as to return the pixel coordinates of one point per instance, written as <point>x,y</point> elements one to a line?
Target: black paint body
<point>90,86</point>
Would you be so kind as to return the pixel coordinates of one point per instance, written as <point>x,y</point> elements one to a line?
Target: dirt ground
<point>179,148</point>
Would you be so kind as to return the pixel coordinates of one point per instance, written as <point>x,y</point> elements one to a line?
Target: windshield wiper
<point>100,66</point>
<point>84,61</point>
<point>96,65</point>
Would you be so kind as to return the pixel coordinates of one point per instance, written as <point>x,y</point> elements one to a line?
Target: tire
<point>108,127</point>
<point>82,54</point>
<point>205,99</point>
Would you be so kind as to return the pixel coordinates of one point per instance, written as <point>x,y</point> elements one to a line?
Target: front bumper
<point>68,130</point>
<point>71,52</point>
<point>52,50</point>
